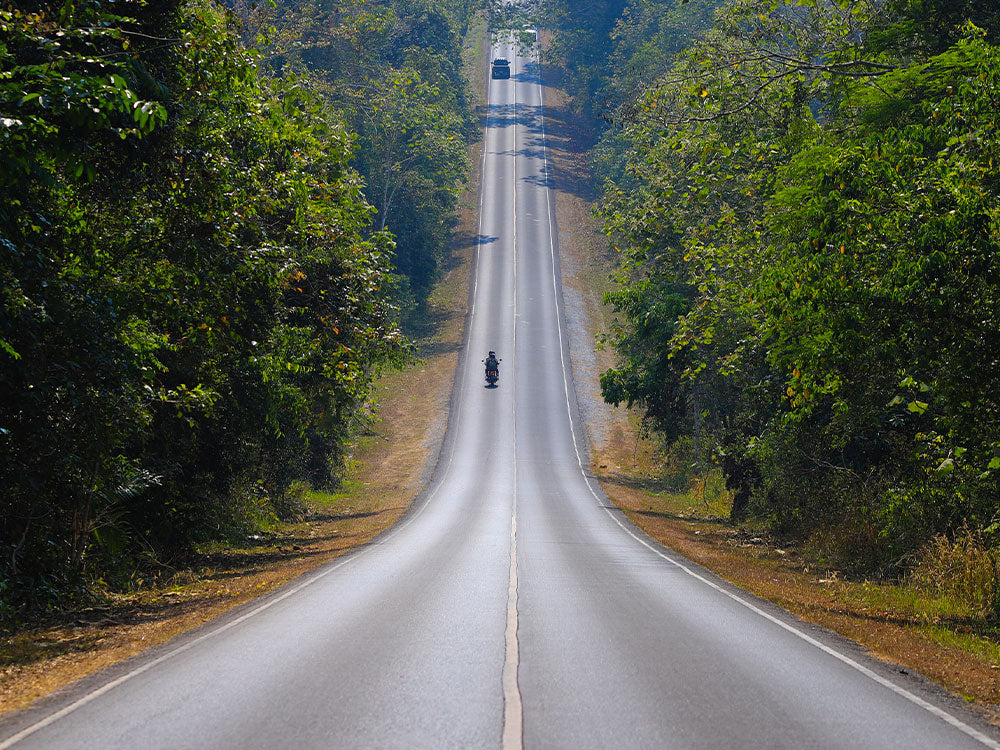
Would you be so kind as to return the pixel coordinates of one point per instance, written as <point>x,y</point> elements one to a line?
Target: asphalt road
<point>511,606</point>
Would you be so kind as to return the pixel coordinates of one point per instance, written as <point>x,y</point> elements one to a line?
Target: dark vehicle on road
<point>492,369</point>
<point>501,68</point>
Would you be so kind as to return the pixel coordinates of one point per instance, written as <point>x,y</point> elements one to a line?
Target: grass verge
<point>388,468</point>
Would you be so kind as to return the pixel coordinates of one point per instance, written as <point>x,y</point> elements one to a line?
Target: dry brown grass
<point>34,663</point>
<point>898,623</point>
<point>963,566</point>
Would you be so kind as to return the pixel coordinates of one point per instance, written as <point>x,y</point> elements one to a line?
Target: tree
<point>805,221</point>
<point>194,301</point>
<point>393,70</point>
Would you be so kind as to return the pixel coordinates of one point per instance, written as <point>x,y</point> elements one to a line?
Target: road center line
<point>513,710</point>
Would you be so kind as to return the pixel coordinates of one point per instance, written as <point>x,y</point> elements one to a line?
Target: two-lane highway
<point>511,606</point>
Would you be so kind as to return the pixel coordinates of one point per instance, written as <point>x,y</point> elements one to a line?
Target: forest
<point>216,221</point>
<point>802,200</point>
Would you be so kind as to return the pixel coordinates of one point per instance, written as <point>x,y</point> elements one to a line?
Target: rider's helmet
<point>493,354</point>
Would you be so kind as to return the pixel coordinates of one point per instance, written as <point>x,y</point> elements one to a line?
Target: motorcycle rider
<point>492,363</point>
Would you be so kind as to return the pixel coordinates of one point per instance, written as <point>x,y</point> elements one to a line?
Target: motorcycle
<point>492,374</point>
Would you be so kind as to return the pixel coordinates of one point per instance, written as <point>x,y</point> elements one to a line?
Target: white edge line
<point>482,191</point>
<point>108,686</point>
<point>902,692</point>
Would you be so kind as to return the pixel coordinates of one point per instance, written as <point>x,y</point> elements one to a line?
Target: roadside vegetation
<point>385,466</point>
<point>217,224</point>
<point>801,213</point>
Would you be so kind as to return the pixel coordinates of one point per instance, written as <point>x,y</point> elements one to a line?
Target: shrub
<point>963,566</point>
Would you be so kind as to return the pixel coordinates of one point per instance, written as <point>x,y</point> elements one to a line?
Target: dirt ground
<point>883,618</point>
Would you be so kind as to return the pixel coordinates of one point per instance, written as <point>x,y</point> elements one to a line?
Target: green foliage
<point>392,70</point>
<point>582,44</point>
<point>880,299</point>
<point>928,27</point>
<point>66,83</point>
<point>805,204</point>
<point>194,299</point>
